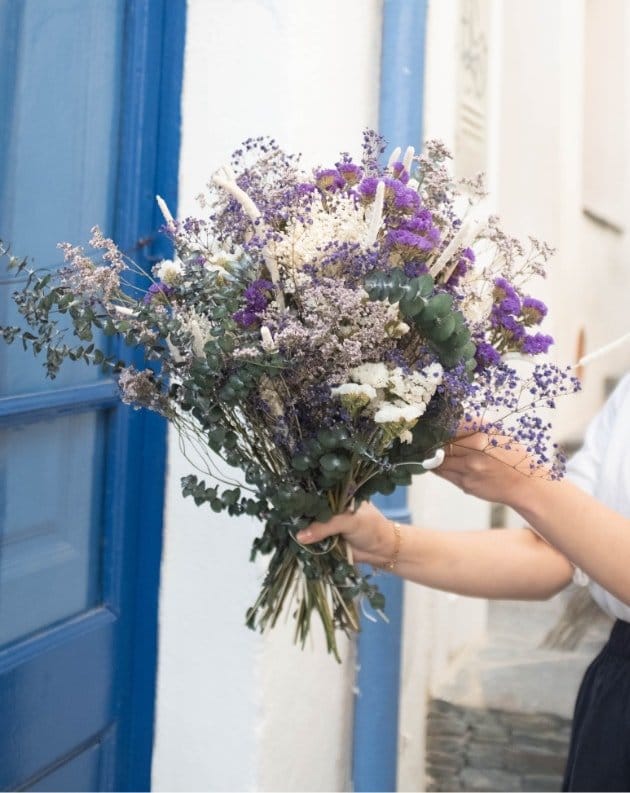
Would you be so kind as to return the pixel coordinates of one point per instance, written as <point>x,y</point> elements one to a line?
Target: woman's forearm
<point>592,536</point>
<point>492,563</point>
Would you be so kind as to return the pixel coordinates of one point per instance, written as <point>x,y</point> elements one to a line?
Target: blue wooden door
<point>88,134</point>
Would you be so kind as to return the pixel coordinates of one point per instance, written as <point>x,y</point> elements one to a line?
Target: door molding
<point>154,32</point>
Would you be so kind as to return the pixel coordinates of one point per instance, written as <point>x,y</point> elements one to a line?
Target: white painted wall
<point>541,186</point>
<point>236,711</point>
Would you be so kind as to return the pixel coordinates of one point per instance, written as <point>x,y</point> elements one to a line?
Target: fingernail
<point>304,536</point>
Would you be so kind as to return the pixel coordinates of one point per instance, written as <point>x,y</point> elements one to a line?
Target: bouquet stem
<point>309,582</point>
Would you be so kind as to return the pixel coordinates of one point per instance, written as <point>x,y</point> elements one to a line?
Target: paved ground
<point>501,718</point>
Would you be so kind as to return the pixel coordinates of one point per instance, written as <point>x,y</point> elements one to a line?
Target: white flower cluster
<point>303,243</point>
<point>169,270</point>
<point>199,328</point>
<point>395,399</point>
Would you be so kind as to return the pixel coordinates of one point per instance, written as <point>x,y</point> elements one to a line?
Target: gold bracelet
<point>389,566</point>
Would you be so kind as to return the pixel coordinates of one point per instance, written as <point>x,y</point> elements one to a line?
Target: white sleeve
<point>584,468</point>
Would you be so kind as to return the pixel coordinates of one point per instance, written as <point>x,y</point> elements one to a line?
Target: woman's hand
<point>367,531</point>
<point>490,466</point>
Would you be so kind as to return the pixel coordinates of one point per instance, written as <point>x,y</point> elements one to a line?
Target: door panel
<point>83,771</point>
<point>51,700</point>
<point>62,83</point>
<point>51,517</point>
<point>82,89</point>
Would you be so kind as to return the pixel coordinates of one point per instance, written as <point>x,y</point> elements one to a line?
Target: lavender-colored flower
<point>407,243</point>
<point>245,318</point>
<point>329,179</point>
<point>367,188</point>
<point>533,311</point>
<point>400,172</point>
<point>506,298</point>
<point>414,269</point>
<point>159,292</point>
<point>536,344</point>
<point>509,325</point>
<point>486,355</point>
<point>350,172</point>
<point>422,224</point>
<point>257,297</point>
<point>400,198</point>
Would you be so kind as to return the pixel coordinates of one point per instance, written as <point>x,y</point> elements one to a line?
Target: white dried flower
<point>355,389</point>
<point>199,328</point>
<point>304,243</point>
<point>268,394</point>
<point>374,374</point>
<point>354,397</point>
<point>267,341</point>
<point>389,413</point>
<point>169,270</point>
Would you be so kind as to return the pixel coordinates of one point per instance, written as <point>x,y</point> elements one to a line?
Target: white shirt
<point>602,468</point>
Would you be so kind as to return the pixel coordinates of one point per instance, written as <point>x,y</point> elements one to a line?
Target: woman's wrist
<point>528,496</point>
<point>386,550</point>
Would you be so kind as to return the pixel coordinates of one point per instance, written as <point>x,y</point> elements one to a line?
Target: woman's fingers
<point>320,531</point>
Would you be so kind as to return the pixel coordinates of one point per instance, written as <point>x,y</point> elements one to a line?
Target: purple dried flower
<point>414,269</point>
<point>257,296</point>
<point>486,355</point>
<point>536,344</point>
<point>533,310</point>
<point>367,188</point>
<point>506,298</point>
<point>407,243</point>
<point>159,291</point>
<point>329,179</point>
<point>351,173</point>
<point>400,172</point>
<point>400,198</point>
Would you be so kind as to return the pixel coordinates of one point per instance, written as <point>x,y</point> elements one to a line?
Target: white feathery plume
<point>408,158</point>
<point>466,234</point>
<point>377,214</point>
<point>225,178</point>
<point>394,156</point>
<point>166,212</point>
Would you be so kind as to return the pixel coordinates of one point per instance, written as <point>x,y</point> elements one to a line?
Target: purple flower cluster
<point>467,259</point>
<point>510,317</point>
<point>158,291</point>
<point>257,296</point>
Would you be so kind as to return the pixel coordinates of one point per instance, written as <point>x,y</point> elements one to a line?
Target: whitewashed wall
<point>234,710</point>
<point>545,183</point>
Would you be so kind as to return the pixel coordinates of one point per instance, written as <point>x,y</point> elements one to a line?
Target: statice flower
<point>83,276</point>
<point>350,172</point>
<point>536,344</point>
<point>158,292</point>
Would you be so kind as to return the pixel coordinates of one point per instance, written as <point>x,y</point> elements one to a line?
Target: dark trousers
<point>599,754</point>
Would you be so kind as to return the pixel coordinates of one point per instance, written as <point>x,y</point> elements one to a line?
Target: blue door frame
<point>148,166</point>
<point>119,635</point>
<point>375,740</point>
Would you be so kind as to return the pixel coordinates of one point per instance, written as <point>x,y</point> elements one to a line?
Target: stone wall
<point>475,749</point>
